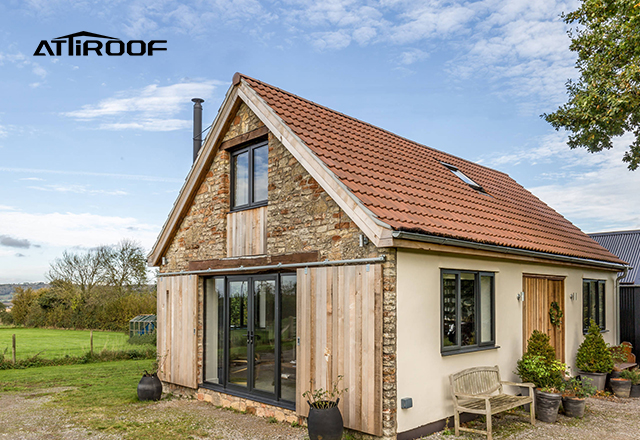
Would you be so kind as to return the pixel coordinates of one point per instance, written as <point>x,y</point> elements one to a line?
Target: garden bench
<point>479,390</point>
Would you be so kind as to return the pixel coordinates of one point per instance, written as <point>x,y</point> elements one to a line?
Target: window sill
<point>468,350</point>
<point>248,207</point>
<point>249,396</point>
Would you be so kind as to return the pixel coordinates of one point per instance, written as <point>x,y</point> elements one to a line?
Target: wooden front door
<point>539,293</point>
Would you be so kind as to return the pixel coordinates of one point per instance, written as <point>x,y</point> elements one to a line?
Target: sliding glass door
<point>250,328</point>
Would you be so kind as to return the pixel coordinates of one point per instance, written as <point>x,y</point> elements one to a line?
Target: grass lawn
<point>104,399</point>
<point>53,344</point>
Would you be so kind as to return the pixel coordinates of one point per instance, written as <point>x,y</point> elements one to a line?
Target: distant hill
<point>7,290</point>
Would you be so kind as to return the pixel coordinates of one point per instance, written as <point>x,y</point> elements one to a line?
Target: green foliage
<point>102,288</point>
<point>605,101</point>
<point>103,356</point>
<point>593,354</point>
<point>321,398</point>
<point>580,388</point>
<point>539,364</point>
<point>632,375</point>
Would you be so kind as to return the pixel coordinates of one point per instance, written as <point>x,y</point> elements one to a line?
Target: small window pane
<point>241,179</point>
<point>260,174</point>
<point>585,304</point>
<point>601,321</point>
<point>288,337</point>
<point>467,309</point>
<point>486,307</point>
<point>214,337</point>
<point>449,309</point>
<point>592,302</point>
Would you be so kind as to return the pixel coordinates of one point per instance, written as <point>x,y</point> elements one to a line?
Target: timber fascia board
<point>377,231</point>
<point>195,176</point>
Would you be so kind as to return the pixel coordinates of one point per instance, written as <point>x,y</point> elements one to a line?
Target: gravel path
<point>615,419</point>
<point>25,416</point>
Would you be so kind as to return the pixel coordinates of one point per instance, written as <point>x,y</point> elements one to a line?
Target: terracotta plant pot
<point>149,388</point>
<point>574,406</point>
<point>547,405</point>
<point>325,424</point>
<point>635,391</point>
<point>621,387</point>
<point>598,380</point>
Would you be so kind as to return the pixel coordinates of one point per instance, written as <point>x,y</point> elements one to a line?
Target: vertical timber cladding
<point>539,293</point>
<point>247,232</point>
<point>177,322</point>
<point>340,330</point>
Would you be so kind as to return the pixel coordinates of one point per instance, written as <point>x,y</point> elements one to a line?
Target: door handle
<point>249,337</point>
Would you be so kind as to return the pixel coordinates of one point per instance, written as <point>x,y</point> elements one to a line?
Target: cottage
<point>306,244</point>
<point>625,245</point>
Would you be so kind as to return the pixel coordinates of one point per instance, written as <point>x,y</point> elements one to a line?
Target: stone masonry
<point>301,217</point>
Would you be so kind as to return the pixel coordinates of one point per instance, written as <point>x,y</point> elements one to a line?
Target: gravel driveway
<point>26,416</point>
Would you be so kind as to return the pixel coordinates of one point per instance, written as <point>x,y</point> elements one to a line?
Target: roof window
<point>464,177</point>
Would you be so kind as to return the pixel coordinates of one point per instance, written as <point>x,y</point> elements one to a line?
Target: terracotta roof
<point>406,185</point>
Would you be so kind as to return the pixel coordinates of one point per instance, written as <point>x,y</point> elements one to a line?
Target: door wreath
<point>555,314</point>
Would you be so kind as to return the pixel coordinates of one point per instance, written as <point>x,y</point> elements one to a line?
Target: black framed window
<point>593,303</point>
<point>250,341</point>
<point>250,176</point>
<point>468,321</point>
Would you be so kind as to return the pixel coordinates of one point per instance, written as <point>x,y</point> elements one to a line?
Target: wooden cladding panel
<point>539,293</point>
<point>247,232</point>
<point>177,322</point>
<point>340,330</point>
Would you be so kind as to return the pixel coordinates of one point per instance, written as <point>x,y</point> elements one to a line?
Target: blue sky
<point>95,149</point>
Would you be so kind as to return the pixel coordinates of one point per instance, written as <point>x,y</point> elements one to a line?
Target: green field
<point>52,344</point>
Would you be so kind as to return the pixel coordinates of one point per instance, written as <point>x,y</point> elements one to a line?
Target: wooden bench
<point>479,390</point>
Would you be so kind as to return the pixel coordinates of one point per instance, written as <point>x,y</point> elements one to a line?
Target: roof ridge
<point>241,75</point>
<point>628,231</point>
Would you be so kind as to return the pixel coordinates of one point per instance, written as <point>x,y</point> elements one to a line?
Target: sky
<point>95,149</point>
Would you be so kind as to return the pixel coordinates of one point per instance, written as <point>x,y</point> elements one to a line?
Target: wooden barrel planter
<point>574,406</point>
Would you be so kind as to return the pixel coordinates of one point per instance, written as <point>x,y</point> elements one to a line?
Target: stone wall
<point>301,217</point>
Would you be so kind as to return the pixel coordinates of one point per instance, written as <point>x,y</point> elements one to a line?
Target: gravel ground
<point>604,420</point>
<point>25,416</point>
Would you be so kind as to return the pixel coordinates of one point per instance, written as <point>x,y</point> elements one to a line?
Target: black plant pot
<point>635,391</point>
<point>598,380</point>
<point>149,388</point>
<point>621,387</point>
<point>574,406</point>
<point>325,424</point>
<point>547,405</point>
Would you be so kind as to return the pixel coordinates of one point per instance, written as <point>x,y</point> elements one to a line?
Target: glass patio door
<point>252,333</point>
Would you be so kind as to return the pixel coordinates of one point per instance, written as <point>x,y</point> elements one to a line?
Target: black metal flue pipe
<point>197,126</point>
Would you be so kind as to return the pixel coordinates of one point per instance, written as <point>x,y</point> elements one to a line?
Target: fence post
<point>14,348</point>
<point>91,336</point>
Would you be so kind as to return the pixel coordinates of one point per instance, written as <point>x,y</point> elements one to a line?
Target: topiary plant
<point>539,364</point>
<point>593,354</point>
<point>538,345</point>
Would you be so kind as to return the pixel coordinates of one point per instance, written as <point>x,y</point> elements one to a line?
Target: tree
<point>84,271</point>
<point>125,266</point>
<point>605,100</point>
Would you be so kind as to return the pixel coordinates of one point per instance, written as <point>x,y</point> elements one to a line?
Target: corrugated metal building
<point>626,246</point>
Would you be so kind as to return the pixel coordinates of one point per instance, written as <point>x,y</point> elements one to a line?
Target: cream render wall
<point>423,374</point>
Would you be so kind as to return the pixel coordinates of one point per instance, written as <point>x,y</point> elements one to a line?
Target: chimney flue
<point>197,126</point>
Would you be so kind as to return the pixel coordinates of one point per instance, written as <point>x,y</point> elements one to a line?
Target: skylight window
<point>466,179</point>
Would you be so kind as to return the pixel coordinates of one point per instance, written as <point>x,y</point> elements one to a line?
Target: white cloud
<point>411,56</point>
<point>3,132</point>
<point>76,229</point>
<point>21,61</point>
<point>147,108</point>
<point>31,178</point>
<point>78,189</point>
<point>331,40</point>
<point>140,177</point>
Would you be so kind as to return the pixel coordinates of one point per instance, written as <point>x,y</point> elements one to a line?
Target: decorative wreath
<point>555,314</point>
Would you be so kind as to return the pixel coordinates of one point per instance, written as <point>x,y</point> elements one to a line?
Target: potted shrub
<point>594,358</point>
<point>574,396</point>
<point>540,367</point>
<point>634,377</point>
<point>325,420</point>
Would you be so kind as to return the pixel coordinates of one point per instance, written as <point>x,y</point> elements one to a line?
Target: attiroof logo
<point>78,46</point>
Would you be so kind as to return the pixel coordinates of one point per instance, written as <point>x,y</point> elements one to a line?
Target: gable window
<point>467,311</point>
<point>593,298</point>
<point>249,176</point>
